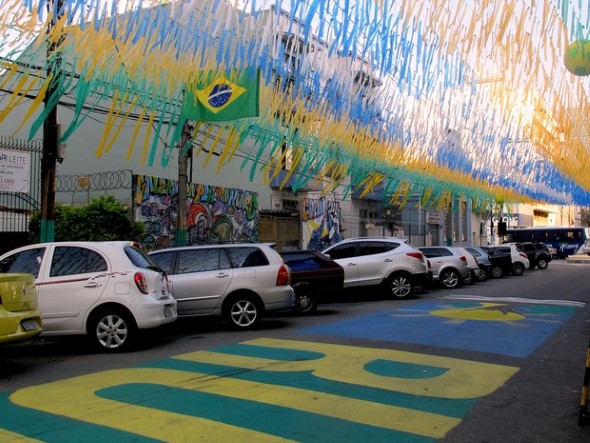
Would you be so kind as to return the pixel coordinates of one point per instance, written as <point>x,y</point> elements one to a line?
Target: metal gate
<point>280,227</point>
<point>16,208</point>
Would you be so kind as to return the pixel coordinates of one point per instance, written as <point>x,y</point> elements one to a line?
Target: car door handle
<point>92,284</point>
<point>222,275</point>
<point>388,260</point>
<point>351,264</point>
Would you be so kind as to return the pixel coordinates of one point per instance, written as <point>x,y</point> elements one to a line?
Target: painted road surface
<point>267,390</point>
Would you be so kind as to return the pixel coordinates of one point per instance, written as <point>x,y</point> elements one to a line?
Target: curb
<point>583,259</point>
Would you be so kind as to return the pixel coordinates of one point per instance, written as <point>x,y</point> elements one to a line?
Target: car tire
<point>542,263</point>
<point>399,286</point>
<point>517,268</point>
<point>469,279</point>
<point>481,275</point>
<point>449,278</point>
<point>112,329</point>
<point>497,271</point>
<point>305,302</point>
<point>243,312</point>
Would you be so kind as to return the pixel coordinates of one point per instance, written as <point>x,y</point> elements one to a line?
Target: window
<point>199,260</point>
<point>138,257</point>
<point>165,260</point>
<point>70,260</point>
<point>308,263</point>
<point>343,251</point>
<point>430,252</point>
<point>247,257</point>
<point>375,247</point>
<point>26,261</point>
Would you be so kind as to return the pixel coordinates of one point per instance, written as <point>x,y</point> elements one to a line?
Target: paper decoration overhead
<point>434,97</point>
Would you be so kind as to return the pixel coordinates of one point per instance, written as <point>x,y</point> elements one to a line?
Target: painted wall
<point>214,213</point>
<point>321,222</point>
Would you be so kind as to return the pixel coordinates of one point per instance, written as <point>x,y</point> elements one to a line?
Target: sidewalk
<point>578,259</point>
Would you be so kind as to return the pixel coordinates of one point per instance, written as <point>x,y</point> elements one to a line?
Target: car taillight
<point>463,258</point>
<point>141,282</point>
<point>283,277</point>
<point>417,255</point>
<point>167,284</point>
<point>523,255</point>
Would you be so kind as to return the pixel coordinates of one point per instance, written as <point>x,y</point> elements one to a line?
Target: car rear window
<point>247,257</point>
<point>303,263</point>
<point>139,258</point>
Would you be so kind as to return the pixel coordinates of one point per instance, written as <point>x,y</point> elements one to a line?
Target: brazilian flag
<point>215,96</point>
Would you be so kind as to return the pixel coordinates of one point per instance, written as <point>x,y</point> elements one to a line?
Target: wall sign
<point>15,171</point>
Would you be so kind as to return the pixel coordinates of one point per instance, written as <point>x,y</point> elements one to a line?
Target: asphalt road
<point>496,361</point>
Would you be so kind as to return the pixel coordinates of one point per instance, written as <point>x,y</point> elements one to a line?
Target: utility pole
<point>181,231</point>
<point>50,130</point>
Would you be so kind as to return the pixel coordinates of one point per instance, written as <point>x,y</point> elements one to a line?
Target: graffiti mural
<point>213,213</point>
<point>321,222</point>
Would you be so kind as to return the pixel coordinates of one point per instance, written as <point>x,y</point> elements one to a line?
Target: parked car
<point>490,266</point>
<point>520,261</point>
<point>20,317</point>
<point>314,277</point>
<point>475,274</point>
<point>107,290</point>
<point>239,282</point>
<point>538,254</point>
<point>449,266</point>
<point>501,261</point>
<point>387,262</point>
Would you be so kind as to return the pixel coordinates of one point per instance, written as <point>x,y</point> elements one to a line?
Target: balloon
<point>577,58</point>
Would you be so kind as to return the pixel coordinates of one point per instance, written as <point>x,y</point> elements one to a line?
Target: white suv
<point>238,281</point>
<point>387,261</point>
<point>449,265</point>
<point>520,261</point>
<point>107,290</point>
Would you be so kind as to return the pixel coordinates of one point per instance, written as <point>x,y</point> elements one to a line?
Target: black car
<point>501,262</point>
<point>314,276</point>
<point>537,253</point>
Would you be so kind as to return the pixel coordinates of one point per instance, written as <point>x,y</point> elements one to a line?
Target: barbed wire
<point>100,181</point>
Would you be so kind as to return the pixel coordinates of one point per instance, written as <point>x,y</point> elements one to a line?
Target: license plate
<point>168,312</point>
<point>29,325</point>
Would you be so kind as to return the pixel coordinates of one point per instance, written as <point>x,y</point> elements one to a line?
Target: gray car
<point>449,267</point>
<point>238,282</point>
<point>484,262</point>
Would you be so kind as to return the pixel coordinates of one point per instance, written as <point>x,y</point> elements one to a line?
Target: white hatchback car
<point>390,262</point>
<point>237,281</point>
<point>107,290</point>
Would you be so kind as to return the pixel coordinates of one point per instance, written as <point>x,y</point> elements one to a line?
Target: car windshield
<point>139,258</point>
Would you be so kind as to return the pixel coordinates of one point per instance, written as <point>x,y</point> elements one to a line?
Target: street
<point>497,361</point>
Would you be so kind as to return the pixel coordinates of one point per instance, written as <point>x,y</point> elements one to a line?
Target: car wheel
<point>517,268</point>
<point>542,263</point>
<point>305,303</point>
<point>113,330</point>
<point>497,272</point>
<point>400,286</point>
<point>469,279</point>
<point>243,312</point>
<point>481,275</point>
<point>449,279</point>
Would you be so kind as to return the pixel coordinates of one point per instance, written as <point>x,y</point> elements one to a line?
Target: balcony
<point>375,194</point>
<point>305,184</point>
